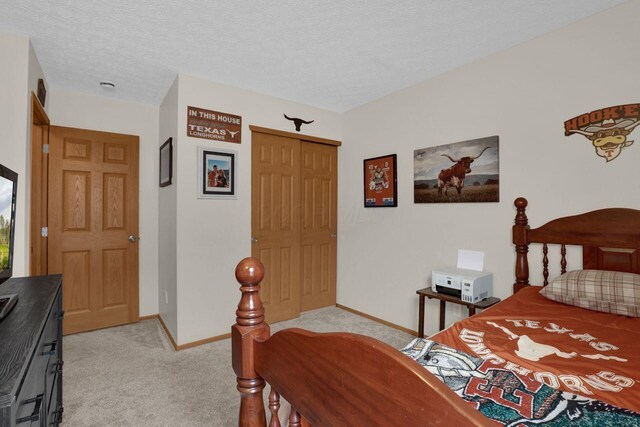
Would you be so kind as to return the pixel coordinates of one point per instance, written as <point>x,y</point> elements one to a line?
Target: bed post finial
<point>250,326</point>
<point>250,312</point>
<point>520,229</point>
<point>521,205</point>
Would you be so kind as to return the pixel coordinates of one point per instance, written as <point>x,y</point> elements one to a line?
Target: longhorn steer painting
<point>466,172</point>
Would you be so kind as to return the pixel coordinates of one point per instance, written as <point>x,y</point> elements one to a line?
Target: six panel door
<point>93,211</point>
<point>319,165</point>
<point>275,222</point>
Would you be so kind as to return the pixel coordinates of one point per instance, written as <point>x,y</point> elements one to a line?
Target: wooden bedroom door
<point>275,222</point>
<point>93,226</point>
<point>319,165</point>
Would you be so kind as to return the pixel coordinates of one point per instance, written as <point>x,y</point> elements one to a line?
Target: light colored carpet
<point>131,376</point>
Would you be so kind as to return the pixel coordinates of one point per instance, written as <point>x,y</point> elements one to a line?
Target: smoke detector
<point>107,84</point>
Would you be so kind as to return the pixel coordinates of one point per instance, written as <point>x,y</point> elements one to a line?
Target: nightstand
<point>444,298</point>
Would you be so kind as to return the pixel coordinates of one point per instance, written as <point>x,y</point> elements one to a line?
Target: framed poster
<point>380,182</point>
<point>166,163</point>
<point>462,172</point>
<point>217,174</point>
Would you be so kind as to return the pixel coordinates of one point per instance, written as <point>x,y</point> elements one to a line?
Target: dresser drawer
<point>30,352</point>
<point>31,401</point>
<point>51,341</point>
<point>54,410</point>
<point>52,380</point>
<point>38,388</point>
<point>55,365</point>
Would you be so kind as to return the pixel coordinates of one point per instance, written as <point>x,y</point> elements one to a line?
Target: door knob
<point>254,240</point>
<point>334,235</point>
<point>133,239</point>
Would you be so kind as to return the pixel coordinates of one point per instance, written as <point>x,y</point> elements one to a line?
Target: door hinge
<point>45,148</point>
<point>45,231</point>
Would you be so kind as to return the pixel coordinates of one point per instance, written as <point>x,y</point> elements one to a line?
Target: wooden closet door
<point>319,165</point>
<point>275,222</point>
<point>93,211</point>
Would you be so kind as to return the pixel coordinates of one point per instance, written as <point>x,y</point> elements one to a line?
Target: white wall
<point>35,73</point>
<point>79,110</point>
<point>167,218</point>
<point>19,76</point>
<point>523,95</point>
<point>214,235</point>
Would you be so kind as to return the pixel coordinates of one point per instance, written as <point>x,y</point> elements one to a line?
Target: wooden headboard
<point>610,240</point>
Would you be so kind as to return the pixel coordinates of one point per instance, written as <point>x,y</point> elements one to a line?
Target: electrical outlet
<point>166,297</point>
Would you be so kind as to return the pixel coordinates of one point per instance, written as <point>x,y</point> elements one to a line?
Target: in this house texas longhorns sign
<point>213,125</point>
<point>607,129</point>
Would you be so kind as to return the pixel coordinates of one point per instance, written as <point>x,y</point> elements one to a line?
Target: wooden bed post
<point>250,326</point>
<point>520,229</point>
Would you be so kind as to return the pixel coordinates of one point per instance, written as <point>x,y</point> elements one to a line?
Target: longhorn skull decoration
<point>298,122</point>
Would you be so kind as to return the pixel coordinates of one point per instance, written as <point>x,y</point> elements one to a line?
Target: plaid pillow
<point>598,290</point>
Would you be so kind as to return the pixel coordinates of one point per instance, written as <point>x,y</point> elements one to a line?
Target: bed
<point>342,379</point>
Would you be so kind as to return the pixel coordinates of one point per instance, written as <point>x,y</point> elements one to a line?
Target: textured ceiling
<point>333,54</point>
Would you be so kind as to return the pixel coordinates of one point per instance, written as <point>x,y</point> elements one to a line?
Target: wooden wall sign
<point>213,125</point>
<point>608,129</point>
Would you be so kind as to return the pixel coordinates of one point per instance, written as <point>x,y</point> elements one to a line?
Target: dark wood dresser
<point>31,353</point>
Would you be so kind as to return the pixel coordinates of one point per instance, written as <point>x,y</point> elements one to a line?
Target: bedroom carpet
<point>131,376</point>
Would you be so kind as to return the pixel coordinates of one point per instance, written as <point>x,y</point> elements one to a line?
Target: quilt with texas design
<point>570,349</point>
<point>510,398</point>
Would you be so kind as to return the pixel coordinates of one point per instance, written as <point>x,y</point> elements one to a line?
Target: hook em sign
<point>607,128</point>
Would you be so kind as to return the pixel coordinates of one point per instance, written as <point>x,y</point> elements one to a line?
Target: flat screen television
<point>8,191</point>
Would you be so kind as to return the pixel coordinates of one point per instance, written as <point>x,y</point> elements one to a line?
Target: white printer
<point>468,285</point>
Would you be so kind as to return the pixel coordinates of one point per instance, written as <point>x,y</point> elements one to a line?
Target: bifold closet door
<point>275,222</point>
<point>93,226</point>
<point>319,166</point>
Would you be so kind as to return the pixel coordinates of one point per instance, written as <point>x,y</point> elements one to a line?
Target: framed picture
<point>42,92</point>
<point>463,172</point>
<point>380,182</point>
<point>217,174</point>
<point>166,163</point>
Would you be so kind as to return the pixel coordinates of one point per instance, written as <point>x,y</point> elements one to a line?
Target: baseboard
<point>225,336</point>
<point>149,317</point>
<point>377,319</point>
<point>203,341</point>
<point>189,344</point>
<point>166,331</point>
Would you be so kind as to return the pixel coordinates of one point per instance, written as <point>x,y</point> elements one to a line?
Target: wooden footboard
<point>335,379</point>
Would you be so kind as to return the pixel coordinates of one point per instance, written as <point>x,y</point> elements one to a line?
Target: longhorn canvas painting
<point>463,172</point>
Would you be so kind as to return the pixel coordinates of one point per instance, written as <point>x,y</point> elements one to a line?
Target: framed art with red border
<point>381,182</point>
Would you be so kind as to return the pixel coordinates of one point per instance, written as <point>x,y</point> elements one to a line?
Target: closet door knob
<point>254,240</point>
